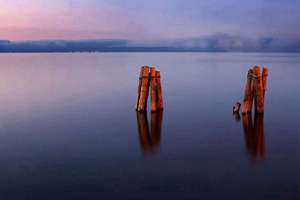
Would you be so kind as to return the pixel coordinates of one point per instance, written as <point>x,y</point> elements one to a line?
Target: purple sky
<point>147,20</point>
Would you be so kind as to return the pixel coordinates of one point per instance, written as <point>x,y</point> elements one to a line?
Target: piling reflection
<point>237,117</point>
<point>254,136</point>
<point>149,136</point>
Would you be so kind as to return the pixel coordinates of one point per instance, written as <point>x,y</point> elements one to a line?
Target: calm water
<point>69,129</point>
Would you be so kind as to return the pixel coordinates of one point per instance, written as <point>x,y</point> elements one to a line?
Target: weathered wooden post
<point>259,91</point>
<point>264,78</point>
<point>144,89</point>
<point>139,88</point>
<point>248,97</point>
<point>160,102</point>
<point>154,93</point>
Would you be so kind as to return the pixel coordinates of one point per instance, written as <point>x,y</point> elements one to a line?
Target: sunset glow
<point>141,20</point>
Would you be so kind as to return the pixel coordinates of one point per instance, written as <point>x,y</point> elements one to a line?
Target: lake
<point>69,129</point>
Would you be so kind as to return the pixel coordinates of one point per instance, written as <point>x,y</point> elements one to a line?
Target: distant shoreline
<point>120,51</point>
<point>214,43</point>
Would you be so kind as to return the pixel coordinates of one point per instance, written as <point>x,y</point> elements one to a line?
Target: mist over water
<point>69,128</point>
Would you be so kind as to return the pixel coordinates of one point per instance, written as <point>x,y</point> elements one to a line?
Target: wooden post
<point>154,93</point>
<point>264,79</point>
<point>248,97</point>
<point>160,103</point>
<point>139,88</point>
<point>236,107</point>
<point>259,91</point>
<point>144,90</point>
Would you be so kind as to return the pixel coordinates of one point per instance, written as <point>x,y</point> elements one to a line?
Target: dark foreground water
<point>68,128</point>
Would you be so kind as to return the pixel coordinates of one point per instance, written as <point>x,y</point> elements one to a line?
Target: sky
<point>147,20</point>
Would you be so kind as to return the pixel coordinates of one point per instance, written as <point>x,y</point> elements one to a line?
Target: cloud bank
<point>213,43</point>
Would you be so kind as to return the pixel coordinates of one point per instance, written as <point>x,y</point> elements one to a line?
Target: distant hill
<point>213,43</point>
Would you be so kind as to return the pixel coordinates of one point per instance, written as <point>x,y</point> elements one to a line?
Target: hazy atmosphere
<point>169,25</point>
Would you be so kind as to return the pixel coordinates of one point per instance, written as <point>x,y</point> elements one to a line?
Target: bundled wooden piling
<point>154,92</point>
<point>255,90</point>
<point>160,102</point>
<point>248,97</point>
<point>143,89</point>
<point>149,77</point>
<point>259,91</point>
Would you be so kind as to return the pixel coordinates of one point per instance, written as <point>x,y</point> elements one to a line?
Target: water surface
<point>69,129</point>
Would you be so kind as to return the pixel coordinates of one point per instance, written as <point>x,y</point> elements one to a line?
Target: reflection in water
<point>237,116</point>
<point>254,136</point>
<point>149,138</point>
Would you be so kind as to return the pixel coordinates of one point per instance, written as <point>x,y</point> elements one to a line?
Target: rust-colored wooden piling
<point>258,91</point>
<point>144,89</point>
<point>248,97</point>
<point>154,93</point>
<point>264,79</point>
<point>160,102</point>
<point>139,88</point>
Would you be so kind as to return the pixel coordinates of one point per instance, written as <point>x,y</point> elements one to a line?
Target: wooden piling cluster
<point>149,80</point>
<point>255,90</point>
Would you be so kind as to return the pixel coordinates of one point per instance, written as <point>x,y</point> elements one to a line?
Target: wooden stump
<point>154,93</point>
<point>259,91</point>
<point>144,89</point>
<point>160,103</point>
<point>248,97</point>
<point>236,107</point>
